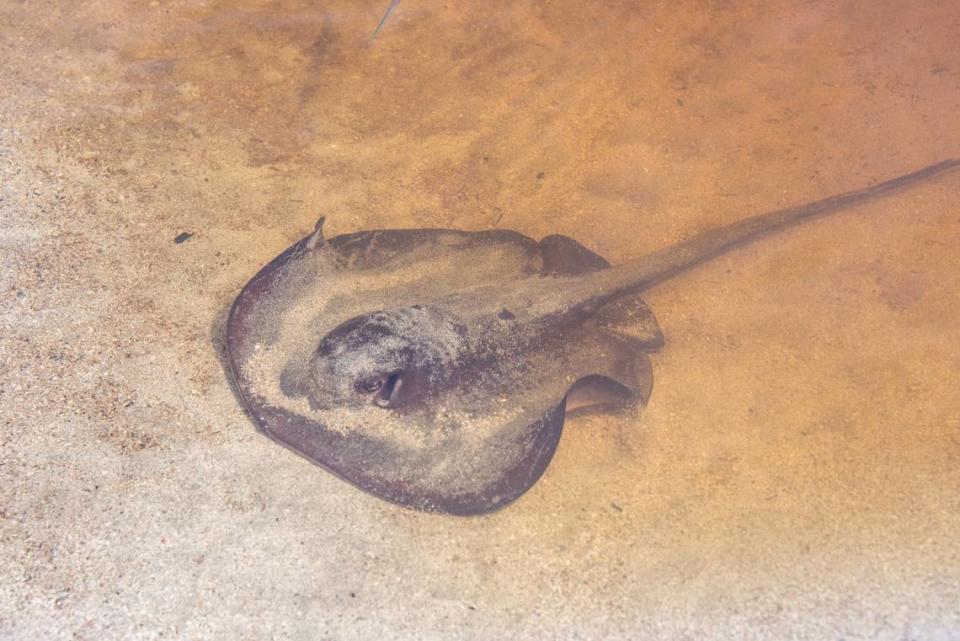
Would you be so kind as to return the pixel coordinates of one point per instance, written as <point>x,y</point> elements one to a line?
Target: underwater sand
<point>796,473</point>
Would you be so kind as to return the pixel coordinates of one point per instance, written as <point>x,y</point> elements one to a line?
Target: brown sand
<point>797,472</point>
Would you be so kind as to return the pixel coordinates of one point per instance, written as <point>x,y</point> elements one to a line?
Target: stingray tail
<point>655,267</point>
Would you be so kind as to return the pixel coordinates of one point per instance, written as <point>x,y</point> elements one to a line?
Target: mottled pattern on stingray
<point>472,449</point>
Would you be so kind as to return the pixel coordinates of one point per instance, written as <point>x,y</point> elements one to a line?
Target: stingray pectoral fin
<point>316,239</point>
<point>597,391</point>
<point>631,387</point>
<point>616,373</point>
<point>631,317</point>
<point>563,256</point>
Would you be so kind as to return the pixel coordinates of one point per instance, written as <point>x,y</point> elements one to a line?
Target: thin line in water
<point>383,20</point>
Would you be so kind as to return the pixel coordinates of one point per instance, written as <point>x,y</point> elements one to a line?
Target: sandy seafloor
<point>796,474</point>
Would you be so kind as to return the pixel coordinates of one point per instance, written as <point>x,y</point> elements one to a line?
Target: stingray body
<point>434,368</point>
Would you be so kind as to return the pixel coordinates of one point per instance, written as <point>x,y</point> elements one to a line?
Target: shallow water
<point>796,471</point>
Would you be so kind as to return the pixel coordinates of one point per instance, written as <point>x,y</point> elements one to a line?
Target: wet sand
<point>796,473</point>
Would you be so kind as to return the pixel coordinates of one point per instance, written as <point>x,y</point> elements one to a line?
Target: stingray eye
<point>371,384</point>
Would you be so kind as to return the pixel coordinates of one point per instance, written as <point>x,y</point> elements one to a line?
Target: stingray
<point>434,368</point>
